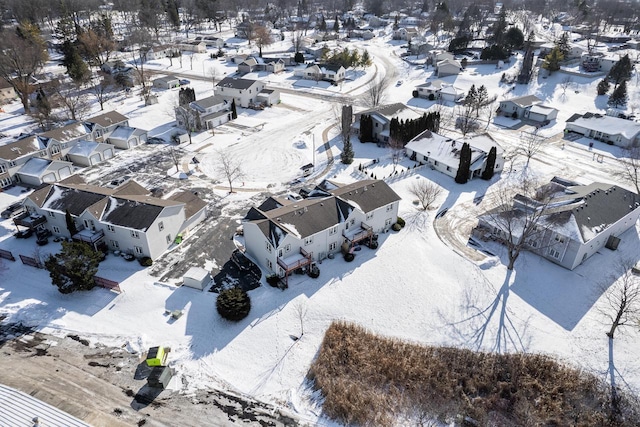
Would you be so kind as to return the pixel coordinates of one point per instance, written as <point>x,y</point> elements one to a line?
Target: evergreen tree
<point>365,59</point>
<point>77,69</point>
<point>489,169</point>
<point>619,95</point>
<point>366,128</point>
<point>621,71</point>
<point>73,268</point>
<point>234,112</point>
<point>552,60</point>
<point>465,164</point>
<point>603,87</point>
<point>514,38</point>
<point>298,57</point>
<point>172,13</point>
<point>323,25</point>
<point>71,224</point>
<point>347,152</point>
<point>186,96</point>
<point>563,44</point>
<point>336,25</point>
<point>498,29</point>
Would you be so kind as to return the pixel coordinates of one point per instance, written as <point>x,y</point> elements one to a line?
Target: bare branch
<point>426,191</point>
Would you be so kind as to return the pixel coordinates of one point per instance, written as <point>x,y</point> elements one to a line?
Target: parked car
<point>12,210</point>
<point>399,83</point>
<point>155,140</point>
<point>118,181</point>
<point>184,82</point>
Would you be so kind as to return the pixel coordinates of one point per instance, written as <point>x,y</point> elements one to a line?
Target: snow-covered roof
<point>523,101</point>
<point>84,148</point>
<point>19,148</point>
<point>542,109</point>
<point>606,124</point>
<point>196,273</point>
<point>37,166</point>
<point>124,132</point>
<point>389,111</point>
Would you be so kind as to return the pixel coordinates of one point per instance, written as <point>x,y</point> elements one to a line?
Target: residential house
<point>405,33</point>
<point>244,91</point>
<point>244,29</point>
<point>333,73</point>
<point>448,67</point>
<point>160,51</point>
<point>598,62</point>
<point>90,153</point>
<point>282,235</point>
<point>105,123</point>
<point>211,41</point>
<point>578,222</point>
<point>382,116</point>
<point>7,92</point>
<point>38,171</point>
<point>214,111</point>
<point>192,46</point>
<point>125,219</point>
<point>249,65</point>
<point>166,82</point>
<point>528,107</point>
<point>612,130</point>
<point>268,97</point>
<point>443,154</point>
<point>438,89</point>
<point>125,137</point>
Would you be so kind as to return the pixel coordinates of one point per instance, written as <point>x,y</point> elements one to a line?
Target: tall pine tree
<point>489,169</point>
<point>465,164</point>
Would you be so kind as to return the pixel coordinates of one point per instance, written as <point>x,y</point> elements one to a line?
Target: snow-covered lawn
<point>413,286</point>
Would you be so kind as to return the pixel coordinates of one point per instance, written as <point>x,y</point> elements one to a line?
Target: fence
<point>27,260</point>
<point>106,283</point>
<point>6,255</point>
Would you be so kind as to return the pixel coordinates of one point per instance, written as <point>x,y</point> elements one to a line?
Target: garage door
<point>64,172</point>
<point>134,142</point>
<point>95,159</point>
<point>108,153</point>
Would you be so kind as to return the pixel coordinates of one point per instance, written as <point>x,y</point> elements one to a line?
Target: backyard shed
<point>159,377</point>
<point>156,356</point>
<point>197,278</point>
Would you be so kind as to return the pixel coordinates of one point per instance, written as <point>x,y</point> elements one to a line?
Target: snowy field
<point>413,286</point>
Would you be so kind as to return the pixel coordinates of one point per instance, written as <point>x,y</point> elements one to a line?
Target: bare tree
<point>426,191</point>
<point>230,167</point>
<point>621,300</point>
<point>213,74</point>
<point>175,158</point>
<point>375,93</point>
<point>71,96</point>
<point>396,146</point>
<point>188,119</point>
<point>466,120</point>
<point>520,206</point>
<point>531,143</point>
<point>566,84</point>
<point>263,37</point>
<point>102,89</point>
<point>97,47</point>
<point>630,164</point>
<point>22,55</point>
<point>298,41</point>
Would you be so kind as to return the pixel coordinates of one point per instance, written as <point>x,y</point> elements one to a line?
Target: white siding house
<point>282,235</point>
<point>613,130</point>
<point>244,91</point>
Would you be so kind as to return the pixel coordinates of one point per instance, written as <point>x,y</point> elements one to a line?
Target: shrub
<point>233,304</point>
<point>396,227</point>
<point>414,94</point>
<point>273,279</point>
<point>432,97</point>
<point>401,222</point>
<point>145,261</point>
<point>314,271</point>
<point>514,115</point>
<point>349,257</point>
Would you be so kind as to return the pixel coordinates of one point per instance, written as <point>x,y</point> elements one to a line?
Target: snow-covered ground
<point>414,286</point>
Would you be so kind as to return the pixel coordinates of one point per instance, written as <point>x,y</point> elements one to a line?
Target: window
<point>55,149</point>
<point>111,228</point>
<point>56,229</point>
<point>52,214</point>
<point>435,163</point>
<point>369,215</point>
<point>137,250</point>
<point>559,238</point>
<point>169,239</point>
<point>333,230</point>
<point>533,243</point>
<point>554,253</point>
<point>333,246</point>
<point>390,207</point>
<point>308,240</point>
<point>114,244</point>
<point>3,169</point>
<point>387,222</point>
<point>280,253</point>
<point>5,182</point>
<point>268,246</point>
<point>287,248</point>
<point>269,264</point>
<point>353,221</point>
<point>135,234</point>
<point>425,158</point>
<point>12,163</point>
<point>160,226</point>
<point>448,168</point>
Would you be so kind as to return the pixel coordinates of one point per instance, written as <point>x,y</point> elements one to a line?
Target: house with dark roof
<point>614,130</point>
<point>333,73</point>
<point>103,124</point>
<point>578,221</point>
<point>213,111</point>
<point>382,116</point>
<point>244,91</point>
<point>285,234</point>
<point>528,107</point>
<point>90,153</point>
<point>126,218</point>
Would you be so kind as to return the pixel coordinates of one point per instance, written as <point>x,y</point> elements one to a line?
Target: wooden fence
<point>6,255</point>
<point>27,260</point>
<point>106,283</point>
